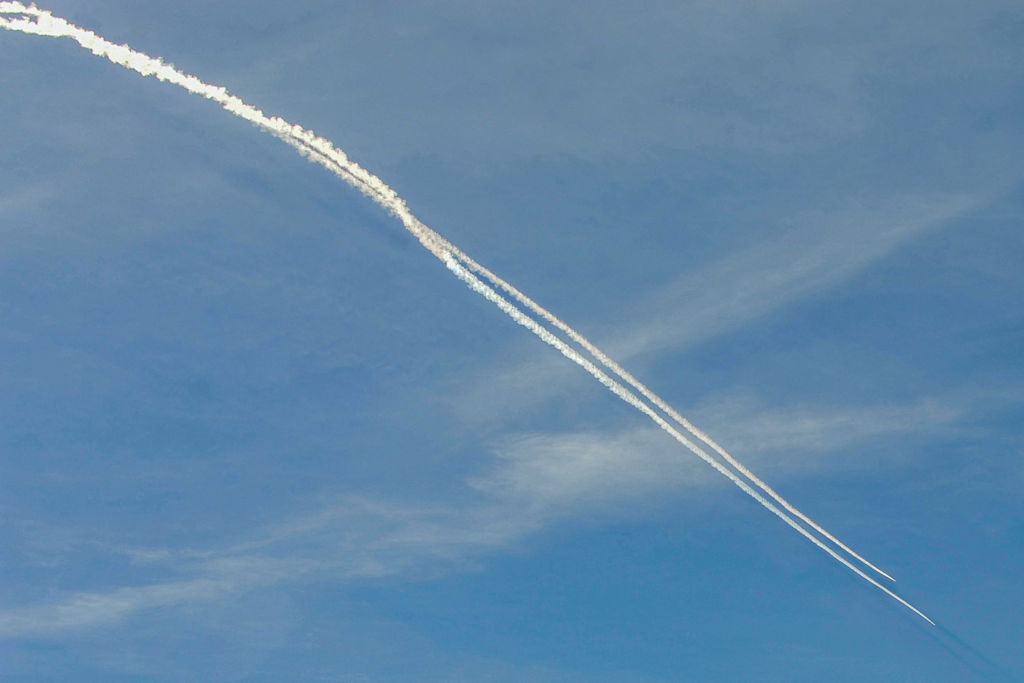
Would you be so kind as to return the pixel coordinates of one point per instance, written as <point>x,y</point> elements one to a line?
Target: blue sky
<point>252,431</point>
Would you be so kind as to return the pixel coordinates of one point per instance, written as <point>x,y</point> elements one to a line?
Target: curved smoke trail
<point>40,22</point>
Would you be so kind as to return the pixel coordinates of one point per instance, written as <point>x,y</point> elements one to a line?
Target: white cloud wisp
<point>32,20</point>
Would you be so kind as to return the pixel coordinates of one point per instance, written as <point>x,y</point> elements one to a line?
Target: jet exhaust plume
<point>31,20</point>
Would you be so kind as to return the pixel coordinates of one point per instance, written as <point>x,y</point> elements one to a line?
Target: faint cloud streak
<point>535,479</point>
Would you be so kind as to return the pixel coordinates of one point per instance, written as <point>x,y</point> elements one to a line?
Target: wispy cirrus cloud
<point>556,471</point>
<point>13,201</point>
<point>818,251</point>
<point>800,439</point>
<point>533,480</point>
<point>350,539</point>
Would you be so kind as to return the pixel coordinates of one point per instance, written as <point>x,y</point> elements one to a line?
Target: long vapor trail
<point>660,403</point>
<point>34,21</point>
<point>629,397</point>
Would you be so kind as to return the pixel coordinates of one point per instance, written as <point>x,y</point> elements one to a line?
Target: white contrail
<point>629,397</point>
<point>609,363</point>
<point>324,152</point>
<point>43,23</point>
<point>48,25</point>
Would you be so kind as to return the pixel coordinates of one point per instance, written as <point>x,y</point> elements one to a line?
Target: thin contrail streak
<point>629,397</point>
<point>609,363</point>
<point>324,152</point>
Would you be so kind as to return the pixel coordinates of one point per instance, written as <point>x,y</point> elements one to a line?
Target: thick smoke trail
<point>324,152</point>
<point>306,142</point>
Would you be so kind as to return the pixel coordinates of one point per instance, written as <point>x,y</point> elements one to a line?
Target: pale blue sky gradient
<point>251,431</point>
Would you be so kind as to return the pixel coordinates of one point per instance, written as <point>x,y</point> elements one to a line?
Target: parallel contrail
<point>324,152</point>
<point>660,403</point>
<point>629,397</point>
